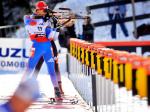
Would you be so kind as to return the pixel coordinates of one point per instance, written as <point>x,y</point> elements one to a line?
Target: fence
<point>8,31</point>
<point>110,80</point>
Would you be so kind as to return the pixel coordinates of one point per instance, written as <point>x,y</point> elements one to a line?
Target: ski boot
<point>57,94</point>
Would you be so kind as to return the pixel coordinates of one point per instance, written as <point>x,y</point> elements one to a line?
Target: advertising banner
<point>14,53</point>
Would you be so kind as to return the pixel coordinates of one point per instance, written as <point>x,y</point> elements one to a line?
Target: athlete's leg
<point>50,66</point>
<point>51,69</point>
<point>58,76</point>
<point>54,53</point>
<point>36,53</point>
<point>56,60</point>
<point>38,66</point>
<point>57,70</point>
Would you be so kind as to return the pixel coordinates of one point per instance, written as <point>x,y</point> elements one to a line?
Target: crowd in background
<point>15,16</point>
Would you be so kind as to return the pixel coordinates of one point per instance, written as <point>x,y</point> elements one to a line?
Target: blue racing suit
<point>39,32</point>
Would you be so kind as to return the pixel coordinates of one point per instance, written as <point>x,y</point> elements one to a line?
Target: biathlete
<point>54,22</point>
<point>40,32</point>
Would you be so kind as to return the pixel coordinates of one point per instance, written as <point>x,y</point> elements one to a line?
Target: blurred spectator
<point>117,13</point>
<point>20,31</point>
<point>70,30</point>
<point>88,30</point>
<point>14,10</point>
<point>142,30</point>
<point>79,27</point>
<point>67,32</point>
<point>26,93</point>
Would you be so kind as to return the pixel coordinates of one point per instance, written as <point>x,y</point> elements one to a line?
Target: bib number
<point>39,28</point>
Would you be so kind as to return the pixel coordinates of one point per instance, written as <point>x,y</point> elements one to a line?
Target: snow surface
<point>9,83</point>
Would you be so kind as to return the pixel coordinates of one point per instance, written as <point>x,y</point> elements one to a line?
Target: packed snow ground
<point>9,82</point>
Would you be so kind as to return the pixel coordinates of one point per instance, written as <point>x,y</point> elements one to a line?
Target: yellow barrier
<point>121,58</point>
<point>99,65</point>
<point>87,53</point>
<point>93,53</point>
<point>142,74</point>
<point>108,63</point>
<point>100,58</point>
<point>125,69</point>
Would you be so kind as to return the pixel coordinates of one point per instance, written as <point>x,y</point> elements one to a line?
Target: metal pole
<point>134,20</point>
<point>68,61</point>
<point>94,91</point>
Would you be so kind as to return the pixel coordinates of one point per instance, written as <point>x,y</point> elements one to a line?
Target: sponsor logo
<point>15,64</point>
<point>11,58</point>
<point>51,60</point>
<point>13,52</point>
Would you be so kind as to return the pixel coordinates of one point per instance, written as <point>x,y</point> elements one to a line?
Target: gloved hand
<point>25,94</point>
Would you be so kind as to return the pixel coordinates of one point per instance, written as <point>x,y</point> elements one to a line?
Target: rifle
<point>63,14</point>
<point>59,16</point>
